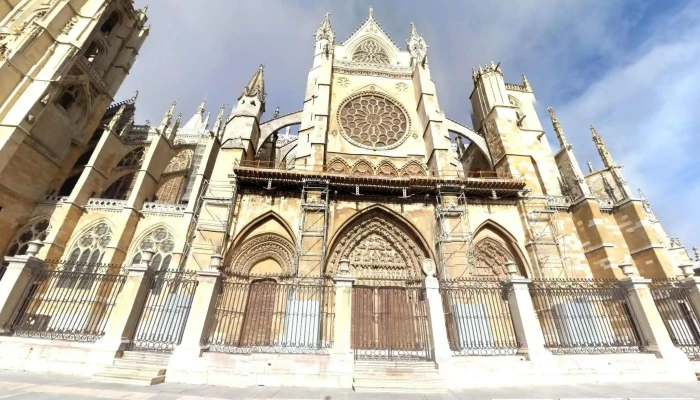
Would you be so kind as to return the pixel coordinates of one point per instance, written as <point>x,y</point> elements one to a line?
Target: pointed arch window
<point>121,188</point>
<point>37,230</point>
<point>110,23</point>
<point>87,253</point>
<point>93,52</point>
<point>133,159</point>
<point>68,97</point>
<point>162,243</point>
<point>370,51</point>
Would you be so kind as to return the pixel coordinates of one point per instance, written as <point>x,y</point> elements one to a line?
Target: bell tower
<point>61,63</point>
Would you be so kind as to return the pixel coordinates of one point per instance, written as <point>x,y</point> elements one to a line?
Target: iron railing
<point>68,301</point>
<point>165,311</point>
<point>273,315</point>
<point>3,268</point>
<point>676,310</point>
<point>478,317</point>
<point>390,321</point>
<point>585,316</point>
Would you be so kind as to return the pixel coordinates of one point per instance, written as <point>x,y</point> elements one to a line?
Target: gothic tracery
<point>491,258</point>
<point>260,248</point>
<point>372,120</point>
<point>370,51</point>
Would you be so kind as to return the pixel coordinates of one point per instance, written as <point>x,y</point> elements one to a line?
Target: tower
<point>60,66</point>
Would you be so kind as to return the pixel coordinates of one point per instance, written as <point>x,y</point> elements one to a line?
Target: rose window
<point>373,121</point>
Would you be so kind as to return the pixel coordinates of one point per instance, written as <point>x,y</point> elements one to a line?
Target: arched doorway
<point>389,315</point>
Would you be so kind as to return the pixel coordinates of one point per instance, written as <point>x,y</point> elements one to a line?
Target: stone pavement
<point>20,385</point>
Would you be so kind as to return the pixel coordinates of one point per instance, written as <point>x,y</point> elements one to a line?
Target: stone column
<point>15,283</point>
<point>129,304</point>
<point>528,330</point>
<point>342,340</point>
<point>436,315</point>
<point>649,322</point>
<point>200,316</point>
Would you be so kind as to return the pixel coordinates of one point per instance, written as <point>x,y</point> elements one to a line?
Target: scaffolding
<point>454,235</point>
<point>212,217</point>
<point>547,239</point>
<point>313,226</point>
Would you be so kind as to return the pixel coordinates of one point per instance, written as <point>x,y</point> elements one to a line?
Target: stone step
<point>150,358</point>
<point>137,369</point>
<point>128,380</point>
<point>381,384</point>
<point>139,363</point>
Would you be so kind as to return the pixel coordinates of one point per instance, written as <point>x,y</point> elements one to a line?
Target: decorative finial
<point>219,120</point>
<point>135,96</point>
<point>590,167</point>
<point>256,86</point>
<point>167,118</point>
<point>557,128</point>
<point>416,45</point>
<point>325,31</point>
<point>202,106</point>
<point>371,12</point>
<point>526,83</point>
<point>277,113</point>
<point>651,216</point>
<point>697,253</point>
<point>602,149</point>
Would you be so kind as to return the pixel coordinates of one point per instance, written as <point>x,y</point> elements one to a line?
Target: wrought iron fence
<point>390,320</point>
<point>3,268</point>
<point>165,311</point>
<point>478,317</point>
<point>68,301</point>
<point>681,320</point>
<point>273,315</point>
<point>585,316</point>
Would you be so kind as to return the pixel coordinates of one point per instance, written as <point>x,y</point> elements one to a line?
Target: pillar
<point>649,322</point>
<point>14,284</point>
<point>342,325</point>
<point>436,320</point>
<point>528,330</point>
<point>128,306</point>
<point>200,316</point>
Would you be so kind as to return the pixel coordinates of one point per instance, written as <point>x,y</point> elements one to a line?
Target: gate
<point>390,321</point>
<point>673,302</point>
<point>165,311</point>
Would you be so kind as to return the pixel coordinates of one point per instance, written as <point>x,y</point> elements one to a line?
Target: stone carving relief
<point>338,166</point>
<point>401,87</point>
<point>491,258</point>
<point>370,51</point>
<point>413,168</point>
<point>343,81</point>
<point>362,167</point>
<point>387,169</point>
<point>260,248</point>
<point>373,121</point>
<point>377,248</point>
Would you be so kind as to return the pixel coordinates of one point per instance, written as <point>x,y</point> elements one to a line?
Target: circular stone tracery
<point>374,121</point>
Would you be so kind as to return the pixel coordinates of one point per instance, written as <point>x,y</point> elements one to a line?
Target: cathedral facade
<point>385,232</point>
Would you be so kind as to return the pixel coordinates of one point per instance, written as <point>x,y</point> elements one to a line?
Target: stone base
<point>475,372</point>
<point>53,356</point>
<point>242,370</point>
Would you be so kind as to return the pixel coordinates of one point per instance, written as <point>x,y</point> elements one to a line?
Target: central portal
<point>389,314</point>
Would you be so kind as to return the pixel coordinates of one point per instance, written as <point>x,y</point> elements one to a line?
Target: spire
<point>256,86</point>
<point>416,45</point>
<point>526,83</point>
<point>219,120</point>
<point>697,253</point>
<point>325,31</point>
<point>205,124</point>
<point>590,167</point>
<point>277,113</point>
<point>202,107</point>
<point>371,12</point>
<point>133,98</point>
<point>557,128</point>
<point>602,149</point>
<point>167,118</point>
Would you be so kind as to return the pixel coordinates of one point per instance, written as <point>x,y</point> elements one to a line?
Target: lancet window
<point>87,252</point>
<point>37,230</point>
<point>133,159</point>
<point>121,188</point>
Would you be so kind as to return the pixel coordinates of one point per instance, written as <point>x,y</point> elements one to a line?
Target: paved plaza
<point>20,385</point>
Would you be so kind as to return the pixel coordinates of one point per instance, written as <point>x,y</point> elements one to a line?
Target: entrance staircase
<point>397,377</point>
<point>135,368</point>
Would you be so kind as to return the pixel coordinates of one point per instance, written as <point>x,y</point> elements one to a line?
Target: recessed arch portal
<point>379,244</point>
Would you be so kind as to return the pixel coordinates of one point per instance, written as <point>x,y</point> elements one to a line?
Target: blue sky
<point>631,68</point>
